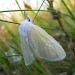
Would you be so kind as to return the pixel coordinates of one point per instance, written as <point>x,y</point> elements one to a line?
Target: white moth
<point>36,42</point>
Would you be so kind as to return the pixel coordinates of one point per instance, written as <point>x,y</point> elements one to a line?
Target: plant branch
<point>9,22</point>
<point>68,9</point>
<point>38,11</point>
<point>56,16</point>
<point>5,11</point>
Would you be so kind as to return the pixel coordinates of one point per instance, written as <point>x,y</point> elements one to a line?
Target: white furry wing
<point>27,53</point>
<point>44,46</point>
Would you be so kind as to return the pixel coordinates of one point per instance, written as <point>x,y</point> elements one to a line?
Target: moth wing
<point>44,46</point>
<point>27,53</point>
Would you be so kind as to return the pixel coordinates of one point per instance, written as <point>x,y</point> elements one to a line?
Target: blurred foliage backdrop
<point>57,17</point>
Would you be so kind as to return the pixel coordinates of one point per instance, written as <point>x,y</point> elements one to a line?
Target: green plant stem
<point>38,11</point>
<point>19,24</point>
<point>19,6</point>
<point>9,22</point>
<point>63,29</point>
<point>42,68</point>
<point>22,10</point>
<point>67,36</point>
<point>58,18</point>
<point>68,9</point>
<point>4,11</point>
<point>4,70</point>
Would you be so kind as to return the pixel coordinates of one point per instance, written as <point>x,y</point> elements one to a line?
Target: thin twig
<point>68,9</point>
<point>19,24</point>
<point>22,10</point>
<point>5,11</point>
<point>19,6</point>
<point>9,22</point>
<point>38,11</point>
<point>56,16</point>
